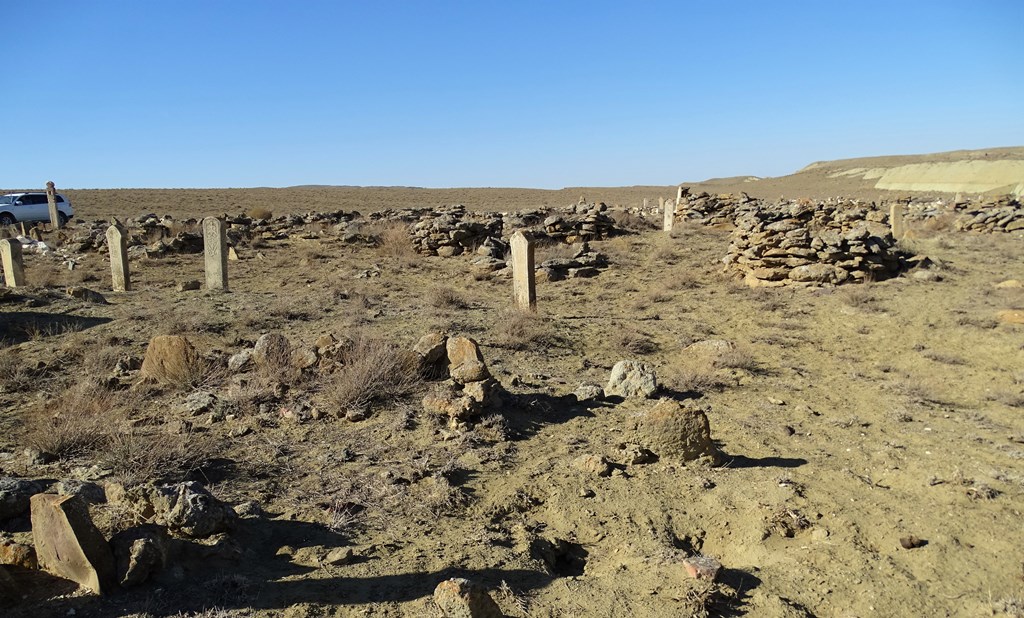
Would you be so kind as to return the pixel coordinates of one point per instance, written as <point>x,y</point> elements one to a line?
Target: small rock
<point>588,392</point>
<point>199,402</point>
<point>87,295</point>
<point>249,509</point>
<point>90,492</point>
<point>702,567</point>
<point>15,496</point>
<point>339,556</point>
<point>776,402</point>
<point>139,552</point>
<point>16,554</point>
<point>593,464</point>
<point>635,455</point>
<point>189,286</point>
<point>1010,283</point>
<point>912,542</point>
<point>632,379</point>
<point>461,598</point>
<point>36,457</point>
<point>239,361</point>
<point>272,349</point>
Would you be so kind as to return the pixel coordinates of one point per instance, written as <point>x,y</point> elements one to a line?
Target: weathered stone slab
<point>524,284</point>
<point>51,200</point>
<point>14,270</point>
<point>215,249</point>
<point>118,245</point>
<point>69,545</point>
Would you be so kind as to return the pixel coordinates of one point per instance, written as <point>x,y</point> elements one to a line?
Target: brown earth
<point>847,418</point>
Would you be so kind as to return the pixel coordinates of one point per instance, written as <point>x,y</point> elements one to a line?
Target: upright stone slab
<point>679,194</point>
<point>69,545</point>
<point>661,203</point>
<point>118,245</point>
<point>645,203</point>
<point>215,244</point>
<point>524,284</point>
<point>896,220</point>
<point>51,199</point>
<point>670,216</point>
<point>14,270</point>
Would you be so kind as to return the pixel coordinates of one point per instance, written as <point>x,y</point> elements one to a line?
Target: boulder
<point>632,379</point>
<point>69,545</point>
<point>461,598</point>
<point>673,430</point>
<point>15,496</point>
<point>272,349</point>
<point>139,553</point>
<point>168,358</point>
<point>465,361</point>
<point>188,508</point>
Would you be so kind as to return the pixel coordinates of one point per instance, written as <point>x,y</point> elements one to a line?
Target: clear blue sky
<point>549,94</point>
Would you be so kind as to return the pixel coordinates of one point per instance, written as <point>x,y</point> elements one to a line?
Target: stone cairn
<point>451,231</point>
<point>805,243</point>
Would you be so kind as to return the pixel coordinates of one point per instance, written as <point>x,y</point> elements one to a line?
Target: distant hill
<point>988,171</point>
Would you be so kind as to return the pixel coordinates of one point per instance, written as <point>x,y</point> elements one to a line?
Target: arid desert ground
<point>869,447</point>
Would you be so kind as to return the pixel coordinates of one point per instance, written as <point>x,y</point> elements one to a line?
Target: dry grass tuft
<point>137,455</point>
<point>373,371</point>
<point>634,342</point>
<point>393,242</point>
<point>518,330</point>
<point>446,298</point>
<point>259,213</point>
<point>80,420</point>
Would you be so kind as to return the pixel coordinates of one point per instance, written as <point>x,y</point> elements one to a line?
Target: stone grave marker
<point>118,245</point>
<point>14,270</point>
<point>215,246</point>
<point>524,284</point>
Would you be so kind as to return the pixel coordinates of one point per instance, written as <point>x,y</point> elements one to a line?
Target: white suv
<point>30,207</point>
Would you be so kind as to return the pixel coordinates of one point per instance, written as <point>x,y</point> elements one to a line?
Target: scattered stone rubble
<point>812,244</point>
<point>1005,214</point>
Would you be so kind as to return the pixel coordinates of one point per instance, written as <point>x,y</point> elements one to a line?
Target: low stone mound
<point>710,209</point>
<point>1004,214</point>
<point>451,231</point>
<point>678,431</point>
<point>802,243</point>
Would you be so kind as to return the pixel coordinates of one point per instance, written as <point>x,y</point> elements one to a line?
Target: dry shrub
<point>445,298</point>
<point>859,296</point>
<point>518,330</point>
<point>373,371</point>
<point>138,454</point>
<point>553,250</point>
<point>259,213</point>
<point>633,222</point>
<point>16,374</point>
<point>78,421</point>
<point>393,241</point>
<point>694,376</point>
<point>634,342</point>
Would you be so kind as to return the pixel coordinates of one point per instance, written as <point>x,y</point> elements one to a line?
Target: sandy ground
<point>849,418</point>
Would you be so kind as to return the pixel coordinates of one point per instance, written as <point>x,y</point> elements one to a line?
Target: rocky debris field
<point>365,425</point>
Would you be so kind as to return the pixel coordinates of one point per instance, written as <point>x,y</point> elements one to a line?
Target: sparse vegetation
<point>373,371</point>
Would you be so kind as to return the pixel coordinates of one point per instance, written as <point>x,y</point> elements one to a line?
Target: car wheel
<point>62,219</point>
<point>6,219</point>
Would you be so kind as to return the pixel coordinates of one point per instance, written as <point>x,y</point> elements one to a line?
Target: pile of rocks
<point>583,264</point>
<point>467,388</point>
<point>581,222</point>
<point>713,209</point>
<point>451,231</point>
<point>804,243</point>
<point>65,542</point>
<point>1005,214</point>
